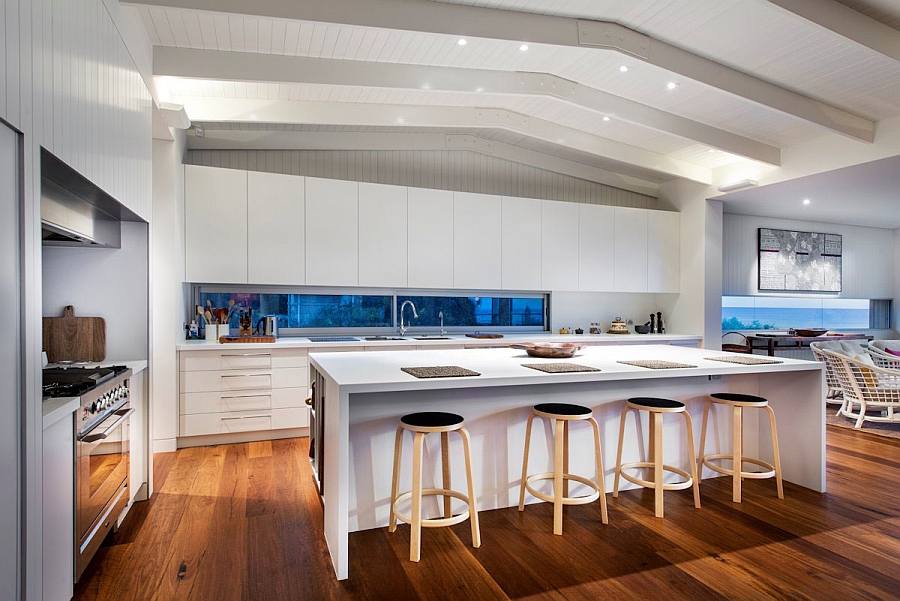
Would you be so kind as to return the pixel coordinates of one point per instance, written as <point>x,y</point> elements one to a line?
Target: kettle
<point>267,326</point>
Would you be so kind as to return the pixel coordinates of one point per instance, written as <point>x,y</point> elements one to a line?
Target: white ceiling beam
<point>847,23</point>
<point>455,19</point>
<point>345,113</point>
<point>243,66</point>
<point>293,140</point>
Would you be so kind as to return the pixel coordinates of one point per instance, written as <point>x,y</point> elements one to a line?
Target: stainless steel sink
<point>379,338</point>
<point>431,338</point>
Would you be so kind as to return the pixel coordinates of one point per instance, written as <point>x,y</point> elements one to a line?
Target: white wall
<point>169,293</point>
<point>457,170</point>
<point>104,282</point>
<point>868,255</point>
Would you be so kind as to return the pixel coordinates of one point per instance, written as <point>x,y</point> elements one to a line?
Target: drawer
<point>291,377</point>
<point>215,381</point>
<point>225,360</point>
<point>246,360</point>
<point>219,402</point>
<point>390,348</point>
<point>203,424</point>
<point>289,357</point>
<point>284,398</point>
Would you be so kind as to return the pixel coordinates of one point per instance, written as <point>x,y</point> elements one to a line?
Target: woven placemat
<point>558,368</point>
<point>656,364</point>
<point>440,371</point>
<point>746,360</point>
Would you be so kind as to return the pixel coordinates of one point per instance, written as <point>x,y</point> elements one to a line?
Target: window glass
<point>782,313</point>
<point>310,310</point>
<point>471,311</point>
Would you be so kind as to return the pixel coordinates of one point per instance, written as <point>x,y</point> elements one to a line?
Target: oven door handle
<point>102,435</point>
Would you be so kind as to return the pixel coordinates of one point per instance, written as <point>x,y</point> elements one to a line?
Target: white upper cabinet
<point>664,251</point>
<point>332,232</point>
<point>215,219</point>
<point>559,247</point>
<point>520,243</point>
<point>596,248</point>
<point>430,238</point>
<point>276,229</point>
<point>631,250</point>
<point>476,240</point>
<point>382,235</point>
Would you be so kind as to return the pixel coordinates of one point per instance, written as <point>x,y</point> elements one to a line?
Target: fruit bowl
<point>549,350</point>
<point>809,333</point>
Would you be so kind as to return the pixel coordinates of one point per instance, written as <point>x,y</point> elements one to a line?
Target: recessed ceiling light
<point>606,118</point>
<point>623,68</point>
<point>401,120</point>
<point>711,150</point>
<point>462,41</point>
<point>806,201</point>
<point>671,85</point>
<point>479,89</point>
<point>426,86</point>
<point>523,47</point>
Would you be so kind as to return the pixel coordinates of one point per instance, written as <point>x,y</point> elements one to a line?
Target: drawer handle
<point>246,417</point>
<point>247,355</point>
<point>247,375</point>
<point>247,396</point>
<point>308,402</point>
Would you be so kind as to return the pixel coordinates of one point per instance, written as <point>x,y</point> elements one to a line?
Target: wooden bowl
<point>810,333</point>
<point>549,350</point>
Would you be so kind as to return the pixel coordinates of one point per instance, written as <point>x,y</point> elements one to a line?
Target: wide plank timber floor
<point>243,522</point>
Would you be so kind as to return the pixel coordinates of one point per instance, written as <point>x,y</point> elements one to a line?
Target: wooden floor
<point>243,522</point>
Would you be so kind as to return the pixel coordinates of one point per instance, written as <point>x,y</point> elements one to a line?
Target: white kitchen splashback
<point>579,309</point>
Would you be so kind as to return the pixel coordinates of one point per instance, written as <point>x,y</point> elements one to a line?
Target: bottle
<point>193,329</point>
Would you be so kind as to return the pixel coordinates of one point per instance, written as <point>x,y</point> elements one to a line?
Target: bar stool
<point>656,408</point>
<point>562,414</point>
<point>738,402</point>
<point>421,424</point>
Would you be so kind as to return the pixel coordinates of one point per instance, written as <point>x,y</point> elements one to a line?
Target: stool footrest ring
<point>565,500</point>
<point>688,482</point>
<point>436,522</point>
<point>769,473</point>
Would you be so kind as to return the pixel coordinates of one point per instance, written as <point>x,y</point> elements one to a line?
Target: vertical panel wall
<point>458,170</point>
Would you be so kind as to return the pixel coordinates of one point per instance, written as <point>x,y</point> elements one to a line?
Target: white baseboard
<point>238,437</point>
<point>165,445</point>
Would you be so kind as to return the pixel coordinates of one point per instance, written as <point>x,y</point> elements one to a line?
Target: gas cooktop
<point>64,381</point>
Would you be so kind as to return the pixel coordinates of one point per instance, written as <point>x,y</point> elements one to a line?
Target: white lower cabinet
<point>204,424</point>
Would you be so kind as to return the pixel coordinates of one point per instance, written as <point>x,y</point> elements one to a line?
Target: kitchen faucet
<point>415,315</point>
<point>441,315</point>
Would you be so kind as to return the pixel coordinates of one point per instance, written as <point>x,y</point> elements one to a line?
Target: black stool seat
<point>562,409</point>
<point>736,397</point>
<point>655,403</point>
<point>431,419</point>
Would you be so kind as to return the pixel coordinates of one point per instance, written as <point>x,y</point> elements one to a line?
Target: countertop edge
<point>55,410</point>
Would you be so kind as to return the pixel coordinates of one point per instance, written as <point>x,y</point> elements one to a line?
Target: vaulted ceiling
<point>657,89</point>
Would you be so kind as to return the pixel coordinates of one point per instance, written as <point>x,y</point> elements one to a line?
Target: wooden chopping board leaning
<point>70,338</point>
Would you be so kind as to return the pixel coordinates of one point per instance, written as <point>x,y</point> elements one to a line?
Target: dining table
<point>771,342</point>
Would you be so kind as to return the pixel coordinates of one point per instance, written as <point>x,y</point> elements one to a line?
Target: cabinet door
<point>332,232</point>
<point>559,245</point>
<point>430,238</point>
<point>276,249</point>
<point>520,243</point>
<point>631,250</point>
<point>596,248</point>
<point>215,221</point>
<point>664,251</point>
<point>382,235</point>
<point>476,240</point>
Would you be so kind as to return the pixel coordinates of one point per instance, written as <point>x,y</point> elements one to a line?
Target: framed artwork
<point>791,261</point>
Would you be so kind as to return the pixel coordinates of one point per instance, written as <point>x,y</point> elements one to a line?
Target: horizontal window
<point>310,311</point>
<point>477,311</point>
<point>781,313</point>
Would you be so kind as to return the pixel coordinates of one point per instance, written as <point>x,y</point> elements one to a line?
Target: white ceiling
<point>750,36</point>
<point>867,194</point>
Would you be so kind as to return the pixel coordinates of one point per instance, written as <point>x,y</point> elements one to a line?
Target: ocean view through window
<point>782,313</point>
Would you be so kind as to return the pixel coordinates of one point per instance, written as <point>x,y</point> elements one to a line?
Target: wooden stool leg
<point>656,438</point>
<point>525,463</point>
<point>565,457</point>
<point>473,510</point>
<point>703,435</point>
<point>395,481</point>
<point>776,453</point>
<point>415,534</point>
<point>557,478</point>
<point>600,472</point>
<point>619,451</point>
<point>737,450</point>
<point>695,474</point>
<point>445,464</point>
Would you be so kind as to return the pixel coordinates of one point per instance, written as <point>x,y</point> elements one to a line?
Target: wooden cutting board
<point>484,336</point>
<point>70,338</point>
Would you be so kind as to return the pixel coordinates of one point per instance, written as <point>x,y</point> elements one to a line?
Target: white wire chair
<point>882,358</point>
<point>834,395</point>
<point>866,386</point>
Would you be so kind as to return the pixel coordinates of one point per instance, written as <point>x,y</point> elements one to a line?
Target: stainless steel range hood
<point>75,211</point>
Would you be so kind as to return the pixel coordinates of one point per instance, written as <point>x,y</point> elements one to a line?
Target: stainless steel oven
<point>102,464</point>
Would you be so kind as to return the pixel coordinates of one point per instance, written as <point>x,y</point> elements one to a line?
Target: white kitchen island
<point>365,394</point>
